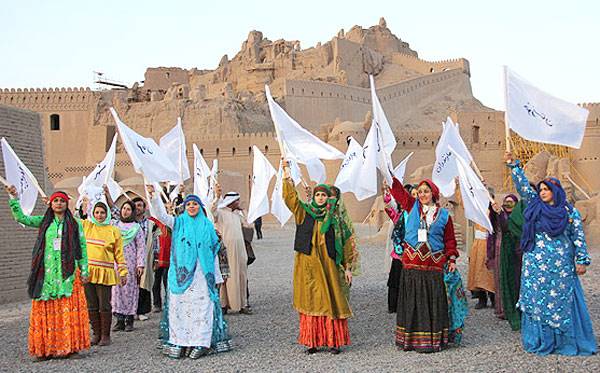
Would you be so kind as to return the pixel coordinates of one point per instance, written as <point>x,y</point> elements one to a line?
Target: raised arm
<point>391,207</point>
<point>401,196</point>
<point>290,196</point>
<point>519,179</point>
<point>20,217</point>
<point>158,209</point>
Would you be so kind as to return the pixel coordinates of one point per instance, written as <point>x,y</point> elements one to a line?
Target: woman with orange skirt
<point>58,323</point>
<point>322,268</point>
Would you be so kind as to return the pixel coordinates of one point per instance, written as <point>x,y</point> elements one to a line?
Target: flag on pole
<point>400,170</point>
<point>173,144</point>
<point>92,185</point>
<point>384,141</point>
<point>18,174</point>
<point>262,173</point>
<point>201,176</point>
<point>349,178</point>
<point>299,143</point>
<point>146,156</point>
<point>278,207</point>
<point>538,116</point>
<point>474,193</point>
<point>445,167</point>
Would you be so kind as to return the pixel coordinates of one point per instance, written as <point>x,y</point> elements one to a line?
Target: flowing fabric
<point>128,234</point>
<point>458,307</point>
<point>194,239</point>
<point>510,266</point>
<point>541,216</point>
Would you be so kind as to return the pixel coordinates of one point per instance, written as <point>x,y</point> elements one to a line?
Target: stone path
<point>266,340</point>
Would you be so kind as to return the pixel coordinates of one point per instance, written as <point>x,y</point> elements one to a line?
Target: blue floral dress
<point>554,316</point>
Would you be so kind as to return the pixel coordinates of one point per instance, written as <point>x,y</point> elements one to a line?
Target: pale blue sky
<point>554,44</point>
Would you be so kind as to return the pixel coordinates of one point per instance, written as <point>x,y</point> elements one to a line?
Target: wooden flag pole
<point>4,181</point>
<point>578,187</point>
<point>506,125</point>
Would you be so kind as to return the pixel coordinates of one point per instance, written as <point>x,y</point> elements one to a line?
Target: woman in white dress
<point>193,323</point>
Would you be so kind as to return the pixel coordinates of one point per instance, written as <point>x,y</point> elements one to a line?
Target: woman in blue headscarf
<point>193,323</point>
<point>554,319</point>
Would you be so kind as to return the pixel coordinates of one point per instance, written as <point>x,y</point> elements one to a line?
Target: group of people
<point>86,269</point>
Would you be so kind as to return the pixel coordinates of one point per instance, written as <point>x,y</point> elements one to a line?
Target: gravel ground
<point>266,340</point>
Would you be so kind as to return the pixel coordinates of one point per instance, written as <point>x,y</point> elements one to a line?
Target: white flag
<point>101,175</point>
<point>349,178</point>
<point>299,143</point>
<point>18,174</point>
<point>201,176</point>
<point>386,140</point>
<point>278,207</point>
<point>367,175</point>
<point>262,173</point>
<point>474,194</point>
<point>445,169</point>
<point>173,144</point>
<point>537,116</point>
<point>400,170</point>
<point>146,156</point>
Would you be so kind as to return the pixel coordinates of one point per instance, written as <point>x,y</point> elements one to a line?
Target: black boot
<point>482,303</point>
<point>493,300</point>
<point>120,325</point>
<point>129,323</point>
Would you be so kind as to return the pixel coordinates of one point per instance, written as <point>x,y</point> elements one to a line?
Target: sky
<point>553,44</point>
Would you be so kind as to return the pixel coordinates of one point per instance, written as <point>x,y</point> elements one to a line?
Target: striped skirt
<point>422,317</point>
<point>59,327</point>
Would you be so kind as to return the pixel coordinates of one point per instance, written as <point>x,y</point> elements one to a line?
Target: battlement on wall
<point>428,67</point>
<point>41,99</point>
<point>36,90</point>
<point>317,89</point>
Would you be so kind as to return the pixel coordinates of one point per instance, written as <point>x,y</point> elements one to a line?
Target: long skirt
<point>479,277</point>
<point>322,331</point>
<point>422,322</point>
<point>510,280</point>
<point>191,314</point>
<point>393,281</point>
<point>59,327</point>
<point>578,339</point>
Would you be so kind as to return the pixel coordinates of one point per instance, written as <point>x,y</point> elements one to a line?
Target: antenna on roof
<point>99,78</point>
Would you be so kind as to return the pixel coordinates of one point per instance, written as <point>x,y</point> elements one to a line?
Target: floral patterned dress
<point>554,318</point>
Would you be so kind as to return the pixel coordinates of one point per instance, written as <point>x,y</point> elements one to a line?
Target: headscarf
<point>194,238</point>
<point>228,199</point>
<point>70,249</point>
<point>131,217</point>
<point>192,197</point>
<point>435,191</point>
<point>315,210</point>
<point>129,234</point>
<point>106,221</point>
<point>541,216</point>
<point>513,197</point>
<point>343,230</point>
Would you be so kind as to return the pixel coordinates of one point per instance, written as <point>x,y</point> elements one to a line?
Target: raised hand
<point>12,190</point>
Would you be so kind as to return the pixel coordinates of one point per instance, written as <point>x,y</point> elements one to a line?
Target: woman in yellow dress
<point>324,247</point>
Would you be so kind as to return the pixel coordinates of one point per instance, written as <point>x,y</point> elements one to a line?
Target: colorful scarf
<point>194,239</point>
<point>129,234</point>
<point>544,217</point>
